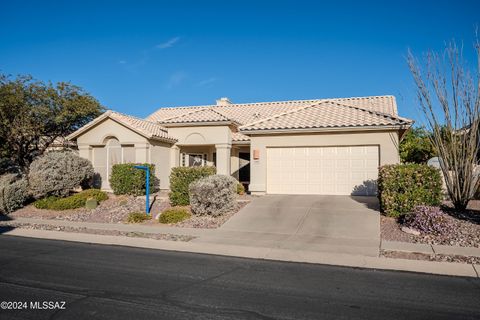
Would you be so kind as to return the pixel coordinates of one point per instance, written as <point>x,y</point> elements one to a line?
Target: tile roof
<point>197,115</point>
<point>244,113</point>
<point>237,136</point>
<point>326,114</point>
<point>148,129</point>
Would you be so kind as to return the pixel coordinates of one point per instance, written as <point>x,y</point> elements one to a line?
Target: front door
<point>244,171</point>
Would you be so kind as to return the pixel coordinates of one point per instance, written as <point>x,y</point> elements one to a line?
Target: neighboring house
<point>326,146</point>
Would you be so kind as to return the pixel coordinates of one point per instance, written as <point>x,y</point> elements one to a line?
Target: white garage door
<point>322,170</point>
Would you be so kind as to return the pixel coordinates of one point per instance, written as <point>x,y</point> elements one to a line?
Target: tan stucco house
<point>323,146</point>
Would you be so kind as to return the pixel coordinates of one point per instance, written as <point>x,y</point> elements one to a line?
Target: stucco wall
<point>201,135</point>
<point>145,151</point>
<point>160,157</point>
<point>106,128</point>
<point>387,142</point>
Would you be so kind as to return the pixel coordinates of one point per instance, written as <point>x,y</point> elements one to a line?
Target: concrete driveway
<point>340,224</point>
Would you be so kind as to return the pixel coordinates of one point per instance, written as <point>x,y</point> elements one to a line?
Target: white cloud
<point>122,61</point>
<point>206,82</point>
<point>176,79</point>
<point>168,44</point>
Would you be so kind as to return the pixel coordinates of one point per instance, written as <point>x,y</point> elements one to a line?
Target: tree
<point>33,114</point>
<point>449,98</point>
<point>416,146</point>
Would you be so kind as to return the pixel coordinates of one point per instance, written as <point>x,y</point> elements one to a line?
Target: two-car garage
<point>335,170</point>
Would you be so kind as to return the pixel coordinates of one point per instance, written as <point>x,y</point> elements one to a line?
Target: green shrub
<point>45,203</point>
<point>401,187</point>
<point>137,217</point>
<point>57,173</point>
<point>180,180</point>
<point>72,202</point>
<point>13,192</point>
<point>174,215</point>
<point>213,195</point>
<point>97,194</point>
<point>125,179</point>
<point>240,189</point>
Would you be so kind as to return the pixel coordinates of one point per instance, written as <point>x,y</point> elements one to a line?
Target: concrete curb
<point>441,268</point>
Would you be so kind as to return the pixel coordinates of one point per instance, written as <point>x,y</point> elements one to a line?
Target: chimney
<point>223,101</point>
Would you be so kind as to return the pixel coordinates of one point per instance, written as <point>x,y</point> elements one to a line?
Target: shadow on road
<point>4,229</point>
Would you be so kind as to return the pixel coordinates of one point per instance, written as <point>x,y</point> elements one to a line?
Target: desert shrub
<point>8,166</point>
<point>174,215</point>
<point>45,203</point>
<point>126,179</point>
<point>429,220</point>
<point>240,189</point>
<point>401,187</point>
<point>137,217</point>
<point>97,194</point>
<point>13,192</point>
<point>180,180</point>
<point>75,201</point>
<point>56,173</point>
<point>213,195</point>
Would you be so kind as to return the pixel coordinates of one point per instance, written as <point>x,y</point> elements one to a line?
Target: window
<point>193,159</point>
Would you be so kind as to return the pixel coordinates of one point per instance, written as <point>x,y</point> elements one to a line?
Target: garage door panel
<point>321,170</point>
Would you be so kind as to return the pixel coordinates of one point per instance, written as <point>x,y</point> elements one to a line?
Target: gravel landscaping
<point>117,208</point>
<point>156,236</point>
<point>113,210</point>
<point>208,222</point>
<point>466,225</point>
<point>429,257</point>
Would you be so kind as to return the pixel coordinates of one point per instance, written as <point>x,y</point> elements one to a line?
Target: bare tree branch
<point>449,98</point>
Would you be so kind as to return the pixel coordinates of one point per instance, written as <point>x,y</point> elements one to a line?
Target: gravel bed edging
<point>467,234</point>
<point>132,234</point>
<point>429,257</point>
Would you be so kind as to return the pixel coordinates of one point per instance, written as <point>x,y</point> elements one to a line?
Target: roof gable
<point>326,114</point>
<point>147,129</point>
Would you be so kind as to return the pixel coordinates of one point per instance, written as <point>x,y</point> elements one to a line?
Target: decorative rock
<point>91,203</point>
<point>410,231</point>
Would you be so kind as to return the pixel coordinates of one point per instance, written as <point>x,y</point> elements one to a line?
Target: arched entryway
<point>106,156</point>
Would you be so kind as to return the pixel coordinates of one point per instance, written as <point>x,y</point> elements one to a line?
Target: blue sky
<point>136,56</point>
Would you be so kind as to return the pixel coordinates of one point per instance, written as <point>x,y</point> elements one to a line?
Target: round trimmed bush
<point>213,195</point>
<point>401,187</point>
<point>180,180</point>
<point>57,173</point>
<point>13,192</point>
<point>126,179</point>
<point>174,215</point>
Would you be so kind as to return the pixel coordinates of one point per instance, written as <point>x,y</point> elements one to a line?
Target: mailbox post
<point>147,187</point>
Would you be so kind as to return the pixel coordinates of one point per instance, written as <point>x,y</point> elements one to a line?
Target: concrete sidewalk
<point>232,243</point>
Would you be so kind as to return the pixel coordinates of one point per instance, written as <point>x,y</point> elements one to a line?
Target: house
<point>323,146</point>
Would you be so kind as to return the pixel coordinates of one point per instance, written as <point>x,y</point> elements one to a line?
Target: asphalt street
<point>66,280</point>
